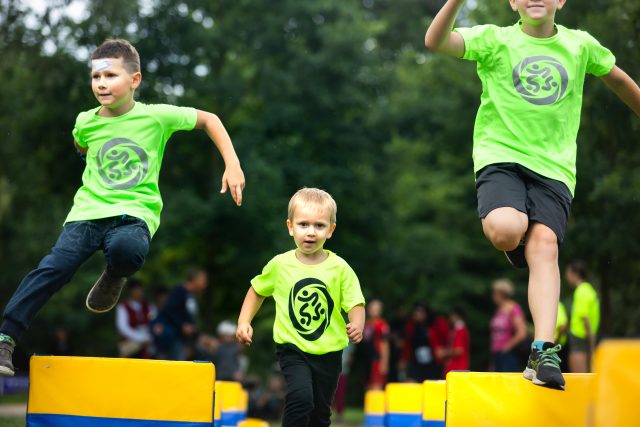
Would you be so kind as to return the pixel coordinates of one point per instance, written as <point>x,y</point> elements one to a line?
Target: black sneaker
<point>6,356</point>
<point>516,257</point>
<point>105,293</point>
<point>543,367</point>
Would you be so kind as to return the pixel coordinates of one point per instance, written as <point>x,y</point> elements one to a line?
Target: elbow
<point>429,43</point>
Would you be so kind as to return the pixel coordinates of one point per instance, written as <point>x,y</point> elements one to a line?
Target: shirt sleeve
<point>175,118</point>
<point>77,135</point>
<point>350,286</point>
<point>479,42</point>
<point>265,283</point>
<point>601,61</point>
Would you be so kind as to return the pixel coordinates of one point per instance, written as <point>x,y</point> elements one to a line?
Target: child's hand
<point>355,333</point>
<point>244,333</point>
<point>233,179</point>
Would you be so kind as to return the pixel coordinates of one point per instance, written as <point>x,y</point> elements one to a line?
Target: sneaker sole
<point>95,310</point>
<point>530,374</point>
<point>6,372</point>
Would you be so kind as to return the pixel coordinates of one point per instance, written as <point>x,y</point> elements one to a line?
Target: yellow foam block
<point>229,395</point>
<point>434,395</point>
<point>617,386</point>
<point>217,411</point>
<point>121,388</point>
<point>491,399</point>
<point>253,422</point>
<point>404,398</point>
<point>374,402</point>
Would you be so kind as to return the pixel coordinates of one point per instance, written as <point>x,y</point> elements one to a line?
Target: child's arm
<point>250,307</point>
<point>356,323</point>
<point>233,177</point>
<point>439,37</point>
<point>622,85</point>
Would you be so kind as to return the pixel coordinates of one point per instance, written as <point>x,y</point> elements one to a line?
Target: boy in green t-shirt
<point>311,287</point>
<point>117,209</point>
<point>524,148</point>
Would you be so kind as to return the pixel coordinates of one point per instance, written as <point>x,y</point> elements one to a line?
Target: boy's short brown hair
<point>119,48</point>
<point>313,196</point>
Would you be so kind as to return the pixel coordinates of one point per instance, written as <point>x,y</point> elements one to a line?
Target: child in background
<point>311,287</point>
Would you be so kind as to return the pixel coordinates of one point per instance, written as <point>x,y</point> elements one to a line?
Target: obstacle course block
<point>374,408</point>
<point>253,422</point>
<point>230,396</point>
<point>491,399</point>
<point>97,392</point>
<point>434,395</point>
<point>404,405</point>
<point>217,412</point>
<point>617,385</point>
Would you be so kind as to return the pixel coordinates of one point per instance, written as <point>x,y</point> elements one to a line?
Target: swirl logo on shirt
<point>122,163</point>
<point>541,80</point>
<point>310,308</point>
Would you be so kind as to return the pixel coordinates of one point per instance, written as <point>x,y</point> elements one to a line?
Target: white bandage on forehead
<point>100,64</point>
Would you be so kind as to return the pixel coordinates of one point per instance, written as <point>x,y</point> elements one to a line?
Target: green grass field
<point>12,422</point>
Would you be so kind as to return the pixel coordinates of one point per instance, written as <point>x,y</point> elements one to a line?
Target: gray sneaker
<point>543,367</point>
<point>105,293</point>
<point>6,356</point>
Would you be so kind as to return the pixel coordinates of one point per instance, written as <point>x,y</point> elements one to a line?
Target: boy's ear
<point>290,227</point>
<point>513,5</point>
<point>561,3</point>
<point>137,79</point>
<point>331,230</point>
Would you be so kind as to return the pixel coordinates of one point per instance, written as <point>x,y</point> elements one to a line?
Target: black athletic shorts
<point>544,200</point>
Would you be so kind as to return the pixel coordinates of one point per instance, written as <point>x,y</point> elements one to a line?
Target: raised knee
<point>124,259</point>
<point>504,238</point>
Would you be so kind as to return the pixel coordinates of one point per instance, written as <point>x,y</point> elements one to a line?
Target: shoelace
<point>549,357</point>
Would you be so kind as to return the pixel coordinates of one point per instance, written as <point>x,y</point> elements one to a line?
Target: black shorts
<point>544,200</point>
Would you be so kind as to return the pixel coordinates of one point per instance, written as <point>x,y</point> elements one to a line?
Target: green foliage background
<point>338,94</point>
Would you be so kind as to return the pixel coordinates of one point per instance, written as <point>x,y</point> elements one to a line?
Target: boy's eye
<point>303,224</point>
<point>319,225</point>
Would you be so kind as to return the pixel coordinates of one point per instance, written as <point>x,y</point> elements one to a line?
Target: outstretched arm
<point>439,37</point>
<point>250,307</point>
<point>622,85</point>
<point>233,177</point>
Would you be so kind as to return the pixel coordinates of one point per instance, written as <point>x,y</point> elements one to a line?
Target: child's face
<point>310,227</point>
<point>112,85</point>
<point>535,12</point>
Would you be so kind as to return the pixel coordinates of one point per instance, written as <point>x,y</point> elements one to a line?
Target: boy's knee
<point>503,237</point>
<point>301,399</point>
<point>124,258</point>
<point>542,242</point>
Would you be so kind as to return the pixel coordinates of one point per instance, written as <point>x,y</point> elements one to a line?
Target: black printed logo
<point>541,80</point>
<point>310,308</point>
<point>122,163</point>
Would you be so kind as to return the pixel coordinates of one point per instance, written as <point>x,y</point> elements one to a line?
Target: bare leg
<point>505,227</point>
<point>578,362</point>
<point>541,252</point>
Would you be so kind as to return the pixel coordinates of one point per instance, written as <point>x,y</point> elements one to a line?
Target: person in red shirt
<point>457,353</point>
<point>376,345</point>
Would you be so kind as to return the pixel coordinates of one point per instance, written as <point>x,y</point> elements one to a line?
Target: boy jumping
<point>311,286</point>
<point>524,147</point>
<point>117,209</point>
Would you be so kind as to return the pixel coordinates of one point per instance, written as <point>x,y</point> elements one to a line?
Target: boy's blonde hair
<point>315,196</point>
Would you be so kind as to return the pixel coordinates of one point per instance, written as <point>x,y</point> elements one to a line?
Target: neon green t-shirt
<point>585,304</point>
<point>531,96</point>
<point>563,319</point>
<point>310,300</point>
<point>124,159</point>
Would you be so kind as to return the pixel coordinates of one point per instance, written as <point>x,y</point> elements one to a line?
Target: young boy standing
<point>525,143</point>
<point>117,209</point>
<point>311,286</point>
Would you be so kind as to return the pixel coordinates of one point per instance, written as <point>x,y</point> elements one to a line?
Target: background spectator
<point>585,317</point>
<point>457,353</point>
<point>133,315</point>
<point>508,328</point>
<point>418,360</point>
<point>375,343</point>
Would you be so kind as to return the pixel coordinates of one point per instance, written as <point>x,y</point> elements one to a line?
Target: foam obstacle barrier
<point>253,422</point>
<point>617,385</point>
<point>491,399</point>
<point>230,395</point>
<point>434,396</point>
<point>374,408</point>
<point>100,392</point>
<point>217,413</point>
<point>404,405</point>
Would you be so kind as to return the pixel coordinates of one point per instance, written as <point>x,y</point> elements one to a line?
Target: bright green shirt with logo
<point>123,161</point>
<point>585,304</point>
<point>531,96</point>
<point>310,300</point>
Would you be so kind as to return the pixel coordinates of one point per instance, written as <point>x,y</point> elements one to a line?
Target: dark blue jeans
<point>124,241</point>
